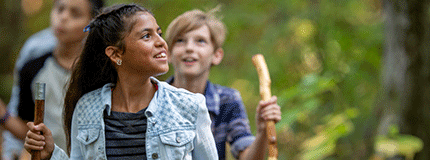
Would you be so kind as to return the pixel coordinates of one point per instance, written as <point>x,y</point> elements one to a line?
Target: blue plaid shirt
<point>229,119</point>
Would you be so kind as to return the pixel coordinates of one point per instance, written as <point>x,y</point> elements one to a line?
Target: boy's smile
<point>192,53</point>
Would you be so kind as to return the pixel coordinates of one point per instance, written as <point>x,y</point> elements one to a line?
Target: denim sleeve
<point>204,144</point>
<point>75,150</point>
<point>238,130</point>
<point>59,154</point>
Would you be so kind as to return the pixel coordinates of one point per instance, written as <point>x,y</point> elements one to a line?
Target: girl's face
<point>68,19</point>
<point>145,49</point>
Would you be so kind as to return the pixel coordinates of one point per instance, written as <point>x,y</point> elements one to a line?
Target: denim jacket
<point>178,126</point>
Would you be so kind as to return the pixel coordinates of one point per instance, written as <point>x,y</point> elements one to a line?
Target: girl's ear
<point>113,53</point>
<point>218,55</point>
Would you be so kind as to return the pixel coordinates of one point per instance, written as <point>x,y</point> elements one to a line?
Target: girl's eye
<point>60,8</point>
<point>76,14</point>
<point>145,36</point>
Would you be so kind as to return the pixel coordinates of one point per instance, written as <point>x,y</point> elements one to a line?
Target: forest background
<point>325,58</point>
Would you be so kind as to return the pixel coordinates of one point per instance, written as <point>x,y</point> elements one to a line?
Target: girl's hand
<point>35,141</point>
<point>267,111</point>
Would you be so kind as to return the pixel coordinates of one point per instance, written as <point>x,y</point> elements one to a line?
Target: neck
<point>132,93</point>
<point>66,54</point>
<point>190,83</point>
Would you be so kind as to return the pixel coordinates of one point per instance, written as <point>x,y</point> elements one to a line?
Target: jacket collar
<point>211,94</point>
<point>106,95</point>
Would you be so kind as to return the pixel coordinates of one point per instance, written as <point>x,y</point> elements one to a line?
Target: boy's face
<point>68,19</point>
<point>192,54</point>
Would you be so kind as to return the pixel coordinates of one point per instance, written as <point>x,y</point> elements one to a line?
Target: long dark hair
<point>94,68</point>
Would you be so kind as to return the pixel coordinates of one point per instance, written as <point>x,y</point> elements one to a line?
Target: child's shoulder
<point>224,91</point>
<point>179,93</point>
<point>91,98</point>
<point>181,101</point>
<point>36,64</point>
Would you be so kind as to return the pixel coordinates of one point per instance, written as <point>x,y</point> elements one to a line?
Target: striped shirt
<point>125,135</point>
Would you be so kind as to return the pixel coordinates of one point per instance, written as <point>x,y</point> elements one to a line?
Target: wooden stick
<point>265,93</point>
<point>39,109</point>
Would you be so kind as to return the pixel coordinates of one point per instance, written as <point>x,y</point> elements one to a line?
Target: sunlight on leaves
<point>398,144</point>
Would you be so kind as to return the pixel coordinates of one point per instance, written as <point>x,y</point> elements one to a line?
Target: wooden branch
<point>39,110</point>
<point>265,93</point>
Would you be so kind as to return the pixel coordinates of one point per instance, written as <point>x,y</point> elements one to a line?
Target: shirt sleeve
<point>238,130</point>
<point>204,148</point>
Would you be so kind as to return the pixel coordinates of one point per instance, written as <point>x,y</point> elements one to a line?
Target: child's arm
<point>266,111</point>
<point>204,148</point>
<point>14,124</point>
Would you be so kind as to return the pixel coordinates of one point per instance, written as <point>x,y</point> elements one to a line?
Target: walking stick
<point>39,109</point>
<point>265,93</point>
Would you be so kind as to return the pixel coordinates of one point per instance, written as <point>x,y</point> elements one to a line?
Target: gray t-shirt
<point>45,70</point>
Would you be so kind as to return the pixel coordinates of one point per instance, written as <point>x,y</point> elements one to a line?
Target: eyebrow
<point>149,29</point>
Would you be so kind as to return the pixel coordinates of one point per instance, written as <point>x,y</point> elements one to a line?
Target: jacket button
<point>178,139</point>
<point>154,155</point>
<point>148,114</point>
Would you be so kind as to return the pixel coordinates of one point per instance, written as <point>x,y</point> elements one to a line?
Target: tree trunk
<point>406,70</point>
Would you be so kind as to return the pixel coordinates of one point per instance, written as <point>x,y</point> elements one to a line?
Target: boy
<point>195,39</point>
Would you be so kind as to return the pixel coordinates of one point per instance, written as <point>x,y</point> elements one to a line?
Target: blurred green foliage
<point>324,58</point>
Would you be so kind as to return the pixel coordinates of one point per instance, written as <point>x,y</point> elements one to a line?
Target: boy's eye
<point>180,40</point>
<point>160,34</point>
<point>201,41</point>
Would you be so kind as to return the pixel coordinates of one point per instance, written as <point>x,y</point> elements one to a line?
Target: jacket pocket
<point>178,145</point>
<point>88,136</point>
<point>90,147</point>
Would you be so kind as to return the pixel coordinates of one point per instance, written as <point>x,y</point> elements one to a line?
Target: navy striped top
<point>125,135</point>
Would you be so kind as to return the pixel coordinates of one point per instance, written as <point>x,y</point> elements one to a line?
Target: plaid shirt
<point>229,119</point>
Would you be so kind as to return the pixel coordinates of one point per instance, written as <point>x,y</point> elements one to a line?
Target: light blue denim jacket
<point>178,126</point>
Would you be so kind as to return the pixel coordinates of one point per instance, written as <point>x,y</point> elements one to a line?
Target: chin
<point>159,74</point>
<point>162,72</point>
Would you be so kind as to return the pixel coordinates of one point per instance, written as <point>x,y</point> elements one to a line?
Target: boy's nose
<point>189,47</point>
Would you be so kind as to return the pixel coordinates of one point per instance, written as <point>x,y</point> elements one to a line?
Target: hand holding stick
<point>265,93</point>
<point>39,110</point>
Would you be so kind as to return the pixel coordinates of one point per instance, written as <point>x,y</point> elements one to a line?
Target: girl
<point>115,109</point>
<point>53,67</point>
